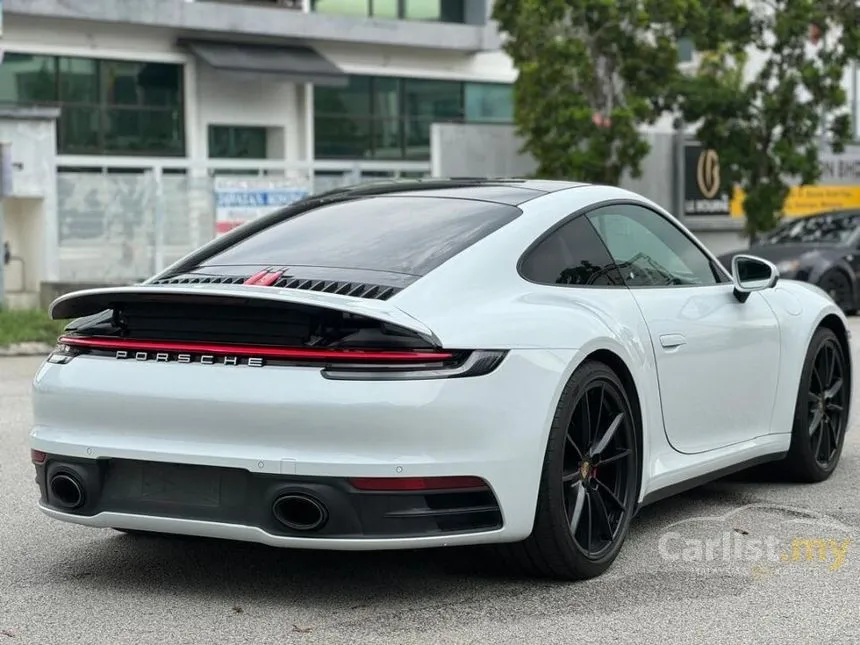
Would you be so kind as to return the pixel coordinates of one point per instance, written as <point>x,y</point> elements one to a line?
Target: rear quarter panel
<point>478,300</point>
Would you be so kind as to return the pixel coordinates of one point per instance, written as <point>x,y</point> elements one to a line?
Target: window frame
<point>721,275</point>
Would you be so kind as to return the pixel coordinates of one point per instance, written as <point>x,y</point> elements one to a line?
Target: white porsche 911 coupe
<point>515,363</point>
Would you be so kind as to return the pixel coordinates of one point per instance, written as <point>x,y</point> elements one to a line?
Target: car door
<point>717,358</point>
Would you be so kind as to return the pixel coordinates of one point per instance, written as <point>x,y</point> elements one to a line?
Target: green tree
<point>591,73</point>
<point>772,70</point>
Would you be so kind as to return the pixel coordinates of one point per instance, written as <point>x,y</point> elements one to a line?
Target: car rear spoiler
<point>92,301</point>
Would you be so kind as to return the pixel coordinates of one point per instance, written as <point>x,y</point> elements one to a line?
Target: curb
<point>25,349</point>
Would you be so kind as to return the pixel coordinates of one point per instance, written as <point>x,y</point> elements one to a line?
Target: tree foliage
<point>761,89</point>
<point>591,73</point>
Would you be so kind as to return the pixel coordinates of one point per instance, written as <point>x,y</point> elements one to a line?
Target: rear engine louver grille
<point>354,289</point>
<point>203,279</point>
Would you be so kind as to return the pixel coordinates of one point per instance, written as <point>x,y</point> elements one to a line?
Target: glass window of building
<point>28,79</point>
<point>360,8</point>
<point>342,117</point>
<point>489,103</point>
<point>106,107</point>
<point>390,118</point>
<point>237,142</point>
<point>438,10</point>
<point>433,10</point>
<point>427,102</point>
<point>385,9</point>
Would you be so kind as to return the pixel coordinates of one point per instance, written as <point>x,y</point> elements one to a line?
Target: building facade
<point>157,97</point>
<point>355,81</point>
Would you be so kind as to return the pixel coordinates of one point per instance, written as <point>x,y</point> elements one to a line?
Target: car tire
<point>574,506</point>
<point>821,411</point>
<point>838,287</point>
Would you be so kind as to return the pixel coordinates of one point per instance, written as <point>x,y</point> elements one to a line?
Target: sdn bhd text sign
<point>704,194</point>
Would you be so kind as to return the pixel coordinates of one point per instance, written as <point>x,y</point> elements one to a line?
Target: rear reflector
<point>417,483</point>
<point>38,457</point>
<point>282,353</point>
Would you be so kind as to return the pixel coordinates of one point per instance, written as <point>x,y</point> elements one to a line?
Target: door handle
<point>670,341</point>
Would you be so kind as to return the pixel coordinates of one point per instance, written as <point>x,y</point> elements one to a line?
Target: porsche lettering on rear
<point>203,359</point>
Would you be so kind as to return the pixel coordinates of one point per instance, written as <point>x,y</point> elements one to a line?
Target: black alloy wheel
<point>821,413</point>
<point>826,401</point>
<point>589,482</point>
<point>597,467</point>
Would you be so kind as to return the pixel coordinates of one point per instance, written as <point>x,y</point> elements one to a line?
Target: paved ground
<point>65,584</point>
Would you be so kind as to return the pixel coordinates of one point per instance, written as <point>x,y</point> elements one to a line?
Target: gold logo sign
<point>708,173</point>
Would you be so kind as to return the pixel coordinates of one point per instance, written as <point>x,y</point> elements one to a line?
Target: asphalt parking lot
<point>687,583</point>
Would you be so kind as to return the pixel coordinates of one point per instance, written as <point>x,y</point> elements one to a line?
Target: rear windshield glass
<point>411,235</point>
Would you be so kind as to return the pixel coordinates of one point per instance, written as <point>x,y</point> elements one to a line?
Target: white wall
<point>73,38</point>
<point>23,229</point>
<point>31,210</point>
<point>490,67</point>
<point>225,100</point>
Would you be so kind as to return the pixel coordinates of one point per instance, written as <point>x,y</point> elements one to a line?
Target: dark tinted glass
<point>572,255</point>
<point>237,142</point>
<point>411,235</point>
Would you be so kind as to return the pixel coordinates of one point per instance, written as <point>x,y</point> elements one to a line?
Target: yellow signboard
<point>806,200</point>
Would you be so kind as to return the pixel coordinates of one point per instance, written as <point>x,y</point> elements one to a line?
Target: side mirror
<point>752,274</point>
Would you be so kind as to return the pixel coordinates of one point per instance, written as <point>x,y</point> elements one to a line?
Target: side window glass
<point>649,250</point>
<point>572,255</point>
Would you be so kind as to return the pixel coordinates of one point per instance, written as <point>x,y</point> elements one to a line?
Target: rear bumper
<point>118,489</point>
<point>267,429</point>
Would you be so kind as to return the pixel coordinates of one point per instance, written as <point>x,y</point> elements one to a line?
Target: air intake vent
<point>354,289</point>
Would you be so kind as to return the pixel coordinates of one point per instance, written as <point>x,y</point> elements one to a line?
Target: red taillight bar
<point>380,484</point>
<point>38,457</point>
<point>284,353</point>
